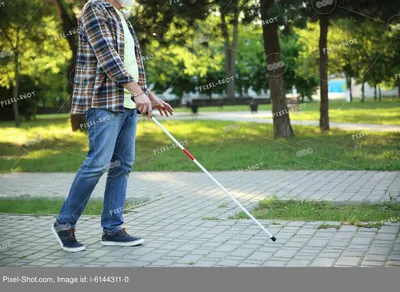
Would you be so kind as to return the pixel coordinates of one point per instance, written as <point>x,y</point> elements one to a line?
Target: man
<point>110,86</point>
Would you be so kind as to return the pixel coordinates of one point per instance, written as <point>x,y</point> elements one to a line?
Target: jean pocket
<point>89,113</point>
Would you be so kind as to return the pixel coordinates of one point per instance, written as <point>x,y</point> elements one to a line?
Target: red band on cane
<point>188,154</point>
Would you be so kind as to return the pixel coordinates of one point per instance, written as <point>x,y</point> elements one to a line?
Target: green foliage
<point>40,59</point>
<point>363,50</point>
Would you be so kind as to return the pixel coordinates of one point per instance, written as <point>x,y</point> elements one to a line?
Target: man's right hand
<point>143,104</point>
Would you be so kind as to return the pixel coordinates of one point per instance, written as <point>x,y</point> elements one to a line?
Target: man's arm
<point>100,38</point>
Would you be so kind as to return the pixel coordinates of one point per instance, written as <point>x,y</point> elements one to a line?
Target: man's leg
<point>117,180</point>
<point>103,132</point>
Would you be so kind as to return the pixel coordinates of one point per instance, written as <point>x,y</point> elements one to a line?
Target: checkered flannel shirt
<point>100,70</point>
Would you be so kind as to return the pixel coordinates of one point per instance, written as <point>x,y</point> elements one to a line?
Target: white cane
<point>210,176</point>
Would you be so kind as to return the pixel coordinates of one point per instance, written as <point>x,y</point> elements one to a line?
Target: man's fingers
<point>143,109</point>
<point>169,109</point>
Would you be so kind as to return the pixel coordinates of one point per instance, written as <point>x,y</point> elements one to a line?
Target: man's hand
<point>162,106</point>
<point>143,104</point>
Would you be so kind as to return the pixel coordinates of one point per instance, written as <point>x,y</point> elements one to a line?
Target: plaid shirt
<point>100,70</point>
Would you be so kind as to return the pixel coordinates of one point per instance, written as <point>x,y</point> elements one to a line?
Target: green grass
<point>275,209</point>
<point>385,112</point>
<point>58,149</point>
<point>327,226</point>
<point>49,206</point>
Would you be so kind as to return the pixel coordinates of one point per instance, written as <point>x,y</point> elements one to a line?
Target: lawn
<point>218,145</point>
<point>275,209</point>
<point>50,206</point>
<point>385,112</point>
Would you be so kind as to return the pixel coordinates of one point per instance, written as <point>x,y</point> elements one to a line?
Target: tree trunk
<point>348,80</point>
<point>70,25</point>
<point>323,73</point>
<point>180,97</point>
<point>282,126</point>
<point>398,88</point>
<point>375,93</point>
<point>380,93</point>
<point>16,87</point>
<point>363,91</point>
<point>230,51</point>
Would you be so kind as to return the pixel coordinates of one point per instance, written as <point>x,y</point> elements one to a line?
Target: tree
<point>69,24</point>
<point>282,126</point>
<point>184,64</point>
<point>24,37</point>
<point>230,46</point>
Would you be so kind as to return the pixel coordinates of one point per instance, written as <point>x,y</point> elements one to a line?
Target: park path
<point>340,186</point>
<point>176,227</point>
<point>265,117</point>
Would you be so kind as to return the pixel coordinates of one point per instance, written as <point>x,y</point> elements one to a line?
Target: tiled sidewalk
<point>176,235</point>
<point>332,185</point>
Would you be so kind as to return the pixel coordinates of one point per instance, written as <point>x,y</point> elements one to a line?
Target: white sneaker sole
<point>69,249</point>
<point>115,243</point>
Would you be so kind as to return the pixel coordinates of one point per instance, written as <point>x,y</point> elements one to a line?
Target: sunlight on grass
<point>244,144</point>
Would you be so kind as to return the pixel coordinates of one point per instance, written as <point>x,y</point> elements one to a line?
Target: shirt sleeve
<point>100,39</point>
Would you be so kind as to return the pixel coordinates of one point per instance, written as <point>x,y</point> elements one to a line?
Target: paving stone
<point>330,254</point>
<point>393,264</point>
<point>260,256</point>
<point>228,263</point>
<point>323,262</point>
<point>348,261</point>
<point>98,253</point>
<point>372,264</point>
<point>151,257</point>
<point>242,252</point>
<point>204,263</point>
<point>298,263</point>
<point>274,264</point>
<point>287,253</point>
<point>379,250</point>
<point>163,263</point>
<point>389,229</point>
<point>248,265</point>
<point>189,259</point>
<point>376,257</point>
<point>226,248</point>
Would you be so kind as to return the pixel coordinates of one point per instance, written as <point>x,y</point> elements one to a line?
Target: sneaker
<point>120,238</point>
<point>66,239</point>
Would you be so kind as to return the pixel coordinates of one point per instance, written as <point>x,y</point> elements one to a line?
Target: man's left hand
<point>158,103</point>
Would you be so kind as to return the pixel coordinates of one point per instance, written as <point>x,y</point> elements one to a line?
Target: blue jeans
<point>111,147</point>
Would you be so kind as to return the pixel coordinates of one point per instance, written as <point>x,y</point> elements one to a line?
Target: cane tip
<point>273,238</point>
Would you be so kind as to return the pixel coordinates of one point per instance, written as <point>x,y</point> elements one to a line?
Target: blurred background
<point>300,65</point>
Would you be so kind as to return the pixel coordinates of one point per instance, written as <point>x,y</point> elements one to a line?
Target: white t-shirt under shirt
<point>129,60</point>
